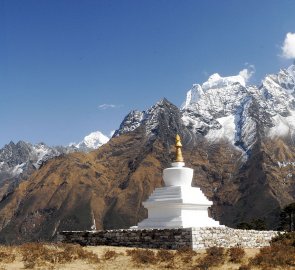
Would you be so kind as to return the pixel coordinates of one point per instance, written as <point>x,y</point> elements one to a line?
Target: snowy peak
<point>17,160</point>
<point>92,141</point>
<point>225,108</point>
<point>286,78</point>
<point>131,122</point>
<point>193,95</point>
<point>23,157</point>
<point>216,81</point>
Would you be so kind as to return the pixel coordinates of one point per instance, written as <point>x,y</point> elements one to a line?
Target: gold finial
<point>178,145</point>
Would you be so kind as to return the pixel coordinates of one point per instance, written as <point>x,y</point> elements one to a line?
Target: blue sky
<point>60,60</point>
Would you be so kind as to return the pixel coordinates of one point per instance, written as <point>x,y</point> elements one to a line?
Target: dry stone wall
<point>196,238</point>
<point>228,237</point>
<point>153,238</point>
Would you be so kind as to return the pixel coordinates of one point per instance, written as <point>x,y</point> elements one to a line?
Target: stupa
<point>178,204</point>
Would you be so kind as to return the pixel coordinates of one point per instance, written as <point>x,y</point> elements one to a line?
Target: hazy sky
<point>71,67</point>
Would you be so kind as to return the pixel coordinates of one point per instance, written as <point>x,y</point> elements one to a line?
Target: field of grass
<point>280,255</point>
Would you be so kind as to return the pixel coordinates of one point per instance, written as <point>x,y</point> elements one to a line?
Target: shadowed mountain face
<point>106,187</point>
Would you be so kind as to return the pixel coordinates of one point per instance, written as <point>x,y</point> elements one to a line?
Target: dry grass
<point>75,257</point>
<point>42,255</point>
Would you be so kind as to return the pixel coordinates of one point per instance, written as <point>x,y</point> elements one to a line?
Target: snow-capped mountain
<point>21,159</point>
<point>225,108</point>
<point>92,141</point>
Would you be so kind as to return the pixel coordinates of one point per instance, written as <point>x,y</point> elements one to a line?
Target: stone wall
<point>228,237</point>
<point>196,238</point>
<point>152,238</point>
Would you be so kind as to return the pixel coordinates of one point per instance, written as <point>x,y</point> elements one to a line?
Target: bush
<point>281,252</point>
<point>142,256</point>
<point>254,224</point>
<point>244,267</point>
<point>7,255</point>
<point>214,257</point>
<point>110,254</point>
<point>183,251</point>
<point>287,239</point>
<point>165,255</point>
<point>37,254</point>
<point>186,254</point>
<point>236,254</point>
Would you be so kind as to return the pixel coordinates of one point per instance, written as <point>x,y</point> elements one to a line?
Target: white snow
<point>193,95</point>
<point>216,81</point>
<point>93,141</point>
<point>283,164</point>
<point>227,131</point>
<point>18,169</point>
<point>283,125</point>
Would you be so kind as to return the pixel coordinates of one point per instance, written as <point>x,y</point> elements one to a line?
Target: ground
<point>65,257</point>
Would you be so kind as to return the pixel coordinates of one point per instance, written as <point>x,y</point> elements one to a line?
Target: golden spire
<point>178,145</point>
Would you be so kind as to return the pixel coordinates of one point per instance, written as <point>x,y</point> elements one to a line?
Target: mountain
<point>239,140</point>
<point>92,141</point>
<point>18,161</point>
<point>225,108</point>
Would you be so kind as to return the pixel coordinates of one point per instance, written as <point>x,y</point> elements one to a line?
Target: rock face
<point>238,139</point>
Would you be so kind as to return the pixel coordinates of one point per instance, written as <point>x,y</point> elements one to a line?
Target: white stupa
<point>178,204</point>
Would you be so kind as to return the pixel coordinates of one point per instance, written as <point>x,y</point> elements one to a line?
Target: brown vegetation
<point>142,256</point>
<point>236,254</point>
<point>110,254</point>
<point>281,253</point>
<point>215,256</point>
<point>38,254</point>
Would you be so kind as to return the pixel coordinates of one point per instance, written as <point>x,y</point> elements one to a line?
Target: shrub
<point>37,254</point>
<point>281,252</point>
<point>236,254</point>
<point>165,255</point>
<point>110,254</point>
<point>214,257</point>
<point>7,255</point>
<point>254,224</point>
<point>186,254</point>
<point>287,239</point>
<point>244,267</point>
<point>183,251</point>
<point>142,256</point>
